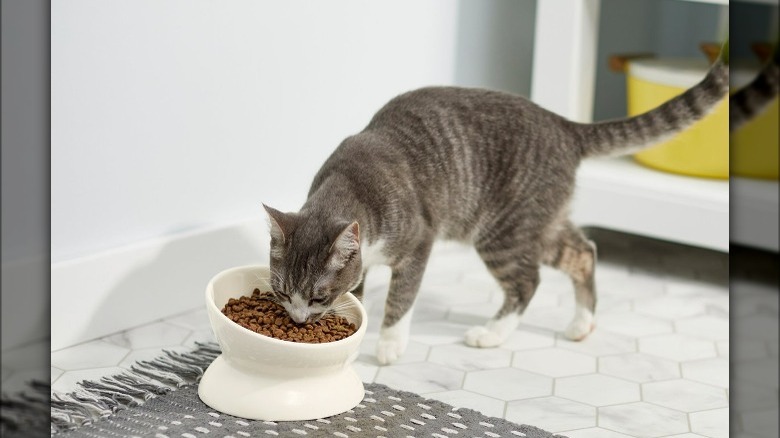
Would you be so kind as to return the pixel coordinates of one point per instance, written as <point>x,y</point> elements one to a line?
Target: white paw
<point>483,337</point>
<point>389,350</point>
<point>579,329</point>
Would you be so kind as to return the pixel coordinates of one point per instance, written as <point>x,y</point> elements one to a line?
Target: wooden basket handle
<point>763,50</point>
<point>711,50</point>
<point>619,62</point>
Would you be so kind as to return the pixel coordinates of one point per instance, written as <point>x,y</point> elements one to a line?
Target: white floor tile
<point>599,343</point>
<point>152,335</point>
<point>551,318</point>
<point>55,374</point>
<point>94,354</point>
<point>597,390</point>
<point>687,435</point>
<point>194,320</point>
<point>465,358</point>
<point>553,414</point>
<point>709,327</point>
<point>634,286</point>
<point>723,348</point>
<point>554,362</point>
<point>711,371</point>
<point>447,293</point>
<point>367,372</point>
<point>594,432</point>
<point>713,424</point>
<point>428,309</point>
<point>643,420</point>
<point>670,308</point>
<point>472,314</point>
<point>420,378</point>
<point>461,398</point>
<point>684,395</point>
<point>438,332</point>
<point>632,324</point>
<point>639,367</point>
<point>677,347</point>
<point>527,338</point>
<point>508,384</point>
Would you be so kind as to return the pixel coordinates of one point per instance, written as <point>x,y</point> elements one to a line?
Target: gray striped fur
<point>752,99</point>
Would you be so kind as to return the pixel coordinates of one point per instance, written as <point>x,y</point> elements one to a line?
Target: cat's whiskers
<point>341,309</point>
<point>278,277</point>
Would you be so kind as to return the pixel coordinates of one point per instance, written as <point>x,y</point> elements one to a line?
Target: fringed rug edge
<point>95,400</point>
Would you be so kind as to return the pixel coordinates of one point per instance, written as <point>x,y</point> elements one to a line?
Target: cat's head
<point>313,262</point>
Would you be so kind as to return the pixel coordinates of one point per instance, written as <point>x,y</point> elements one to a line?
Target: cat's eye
<point>317,300</point>
<point>284,295</point>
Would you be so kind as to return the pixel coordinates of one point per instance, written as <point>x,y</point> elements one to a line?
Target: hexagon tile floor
<point>656,365</point>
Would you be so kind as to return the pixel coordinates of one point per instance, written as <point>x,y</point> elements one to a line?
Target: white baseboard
<point>109,292</point>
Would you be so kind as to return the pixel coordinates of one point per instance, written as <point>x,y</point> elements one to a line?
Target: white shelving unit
<point>619,193</point>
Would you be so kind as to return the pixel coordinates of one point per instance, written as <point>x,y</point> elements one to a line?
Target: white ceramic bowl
<point>262,378</point>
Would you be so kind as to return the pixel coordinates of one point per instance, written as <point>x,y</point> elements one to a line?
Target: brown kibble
<point>270,319</point>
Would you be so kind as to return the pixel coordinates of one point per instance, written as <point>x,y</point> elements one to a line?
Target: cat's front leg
<point>394,339</point>
<point>404,285</point>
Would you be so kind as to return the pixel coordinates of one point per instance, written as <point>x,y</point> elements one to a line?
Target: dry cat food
<point>270,319</point>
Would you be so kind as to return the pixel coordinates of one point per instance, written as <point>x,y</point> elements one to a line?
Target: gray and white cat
<point>484,167</point>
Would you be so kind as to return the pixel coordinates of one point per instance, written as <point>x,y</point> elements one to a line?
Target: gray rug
<point>159,399</point>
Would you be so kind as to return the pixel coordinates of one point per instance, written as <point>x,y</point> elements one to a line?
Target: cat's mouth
<point>309,319</point>
<point>314,318</point>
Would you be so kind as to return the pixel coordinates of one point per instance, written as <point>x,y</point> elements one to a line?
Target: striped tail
<point>756,96</point>
<point>629,135</point>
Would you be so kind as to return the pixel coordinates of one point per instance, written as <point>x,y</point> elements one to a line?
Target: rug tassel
<point>93,400</point>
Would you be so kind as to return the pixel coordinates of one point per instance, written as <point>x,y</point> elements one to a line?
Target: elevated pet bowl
<point>262,378</point>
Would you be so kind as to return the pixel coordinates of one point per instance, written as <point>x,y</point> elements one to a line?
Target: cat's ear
<point>346,245</point>
<point>279,223</point>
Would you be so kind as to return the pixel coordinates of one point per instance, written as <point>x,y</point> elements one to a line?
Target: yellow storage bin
<point>754,147</point>
<point>703,149</point>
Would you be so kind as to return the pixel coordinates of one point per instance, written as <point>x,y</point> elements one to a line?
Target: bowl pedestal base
<point>303,394</point>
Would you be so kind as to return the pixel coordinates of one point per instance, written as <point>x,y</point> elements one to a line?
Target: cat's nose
<point>299,316</point>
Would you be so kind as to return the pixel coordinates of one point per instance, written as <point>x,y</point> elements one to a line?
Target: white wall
<point>174,115</point>
<point>173,120</point>
<point>495,44</point>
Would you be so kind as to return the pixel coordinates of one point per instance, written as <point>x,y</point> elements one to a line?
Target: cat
<point>484,167</point>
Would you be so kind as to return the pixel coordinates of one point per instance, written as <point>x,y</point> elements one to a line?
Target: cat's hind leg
<point>514,263</point>
<point>405,281</point>
<point>569,251</point>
